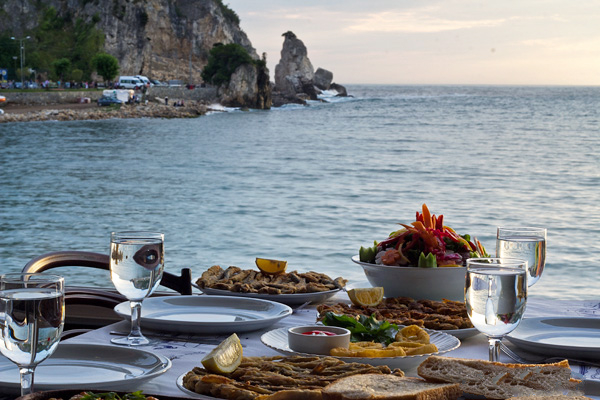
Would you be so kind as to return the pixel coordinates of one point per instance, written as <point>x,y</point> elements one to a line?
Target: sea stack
<point>295,77</point>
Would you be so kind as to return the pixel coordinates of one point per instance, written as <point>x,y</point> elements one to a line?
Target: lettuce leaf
<point>365,329</point>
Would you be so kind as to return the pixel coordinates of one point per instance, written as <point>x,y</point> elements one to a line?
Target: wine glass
<point>526,243</point>
<point>136,268</point>
<point>495,296</point>
<point>32,317</point>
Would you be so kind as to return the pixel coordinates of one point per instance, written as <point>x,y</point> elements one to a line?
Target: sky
<point>496,42</point>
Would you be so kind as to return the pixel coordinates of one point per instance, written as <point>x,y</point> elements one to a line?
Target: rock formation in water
<point>249,87</point>
<point>162,39</point>
<point>295,78</point>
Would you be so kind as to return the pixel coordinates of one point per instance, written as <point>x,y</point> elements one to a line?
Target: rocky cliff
<point>163,39</point>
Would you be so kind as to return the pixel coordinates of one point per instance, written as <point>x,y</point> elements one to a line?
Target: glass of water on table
<point>526,243</point>
<point>495,297</point>
<point>136,268</point>
<point>32,318</point>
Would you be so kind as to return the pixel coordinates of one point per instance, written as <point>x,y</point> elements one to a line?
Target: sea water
<point>311,184</point>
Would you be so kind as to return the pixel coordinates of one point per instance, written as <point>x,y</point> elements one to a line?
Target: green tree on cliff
<point>223,60</point>
<point>106,65</point>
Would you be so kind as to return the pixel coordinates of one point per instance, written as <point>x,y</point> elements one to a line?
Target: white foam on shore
<point>218,108</point>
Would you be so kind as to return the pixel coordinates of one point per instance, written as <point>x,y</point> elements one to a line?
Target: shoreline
<point>91,111</point>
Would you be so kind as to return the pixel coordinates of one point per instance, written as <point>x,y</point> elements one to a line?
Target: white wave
<point>218,108</point>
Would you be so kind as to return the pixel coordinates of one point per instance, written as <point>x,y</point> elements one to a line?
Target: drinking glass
<point>136,268</point>
<point>32,317</point>
<point>495,296</point>
<point>527,243</point>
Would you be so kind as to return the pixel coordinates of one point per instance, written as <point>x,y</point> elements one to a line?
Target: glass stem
<point>136,316</point>
<point>494,347</point>
<point>26,380</point>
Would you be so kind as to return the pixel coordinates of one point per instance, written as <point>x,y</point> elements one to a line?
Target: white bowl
<point>418,283</point>
<point>317,344</point>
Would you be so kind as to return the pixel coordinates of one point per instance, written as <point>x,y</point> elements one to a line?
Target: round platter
<point>277,339</point>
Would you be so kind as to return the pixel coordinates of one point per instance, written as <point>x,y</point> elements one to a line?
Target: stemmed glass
<point>527,243</point>
<point>495,296</point>
<point>136,268</point>
<point>32,317</point>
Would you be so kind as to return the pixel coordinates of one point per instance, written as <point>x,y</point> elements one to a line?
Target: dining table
<point>186,350</point>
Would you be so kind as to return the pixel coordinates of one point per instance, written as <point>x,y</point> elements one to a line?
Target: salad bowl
<point>418,283</point>
<point>424,260</point>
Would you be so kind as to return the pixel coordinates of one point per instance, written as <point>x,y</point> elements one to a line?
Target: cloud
<point>416,22</point>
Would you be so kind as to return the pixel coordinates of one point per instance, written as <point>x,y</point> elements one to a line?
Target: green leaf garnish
<point>365,329</point>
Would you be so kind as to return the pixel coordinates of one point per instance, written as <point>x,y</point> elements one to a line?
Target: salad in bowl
<point>425,243</point>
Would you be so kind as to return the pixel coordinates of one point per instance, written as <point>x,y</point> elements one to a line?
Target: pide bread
<point>388,387</point>
<point>498,380</point>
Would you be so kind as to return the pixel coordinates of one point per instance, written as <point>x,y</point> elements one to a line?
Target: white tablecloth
<point>187,354</point>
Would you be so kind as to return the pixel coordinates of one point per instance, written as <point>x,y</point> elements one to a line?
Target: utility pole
<point>22,49</point>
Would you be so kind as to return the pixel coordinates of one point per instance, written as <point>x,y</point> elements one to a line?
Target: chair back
<point>181,284</point>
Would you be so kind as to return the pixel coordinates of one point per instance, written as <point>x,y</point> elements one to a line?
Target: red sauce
<point>319,333</point>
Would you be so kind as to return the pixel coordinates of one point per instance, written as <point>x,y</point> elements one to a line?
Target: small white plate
<point>87,366</point>
<point>564,337</point>
<point>206,314</point>
<point>289,299</point>
<point>277,339</point>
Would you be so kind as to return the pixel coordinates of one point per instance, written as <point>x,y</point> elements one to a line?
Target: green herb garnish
<point>113,396</point>
<point>365,329</point>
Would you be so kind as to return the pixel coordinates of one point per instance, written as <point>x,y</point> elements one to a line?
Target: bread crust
<point>496,380</point>
<point>388,387</point>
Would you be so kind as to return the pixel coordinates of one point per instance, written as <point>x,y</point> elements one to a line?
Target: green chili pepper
<point>427,261</point>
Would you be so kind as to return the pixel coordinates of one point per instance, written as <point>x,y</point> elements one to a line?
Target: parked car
<point>108,101</point>
<point>156,82</point>
<point>175,83</point>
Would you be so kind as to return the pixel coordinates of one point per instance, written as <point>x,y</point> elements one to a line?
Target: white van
<point>145,80</point>
<point>129,82</point>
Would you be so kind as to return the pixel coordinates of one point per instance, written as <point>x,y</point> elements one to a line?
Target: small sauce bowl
<point>317,344</point>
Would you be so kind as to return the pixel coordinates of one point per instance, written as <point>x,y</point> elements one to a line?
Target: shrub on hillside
<point>223,60</point>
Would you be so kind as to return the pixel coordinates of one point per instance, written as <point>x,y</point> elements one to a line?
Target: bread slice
<point>388,387</point>
<point>498,380</point>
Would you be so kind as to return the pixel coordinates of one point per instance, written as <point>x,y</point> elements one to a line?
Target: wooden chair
<point>93,307</point>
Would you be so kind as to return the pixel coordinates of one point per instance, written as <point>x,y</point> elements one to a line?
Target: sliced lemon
<point>369,297</point>
<point>271,266</point>
<point>226,357</point>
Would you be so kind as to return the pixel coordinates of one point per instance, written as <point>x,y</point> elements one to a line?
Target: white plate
<point>189,392</point>
<point>277,339</point>
<point>289,299</point>
<point>206,314</point>
<point>564,337</point>
<point>461,333</point>
<point>87,366</point>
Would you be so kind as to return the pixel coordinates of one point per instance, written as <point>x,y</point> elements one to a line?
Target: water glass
<point>526,243</point>
<point>32,317</point>
<point>495,297</point>
<point>136,268</point>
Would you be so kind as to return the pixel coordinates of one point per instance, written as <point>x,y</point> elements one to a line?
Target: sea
<point>311,184</point>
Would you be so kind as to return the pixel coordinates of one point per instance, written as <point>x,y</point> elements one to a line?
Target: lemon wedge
<point>226,357</point>
<point>271,266</point>
<point>369,297</point>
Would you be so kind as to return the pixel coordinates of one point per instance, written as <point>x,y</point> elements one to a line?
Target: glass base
<point>130,340</point>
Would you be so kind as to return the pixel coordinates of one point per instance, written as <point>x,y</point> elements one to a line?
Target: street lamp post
<point>22,49</point>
